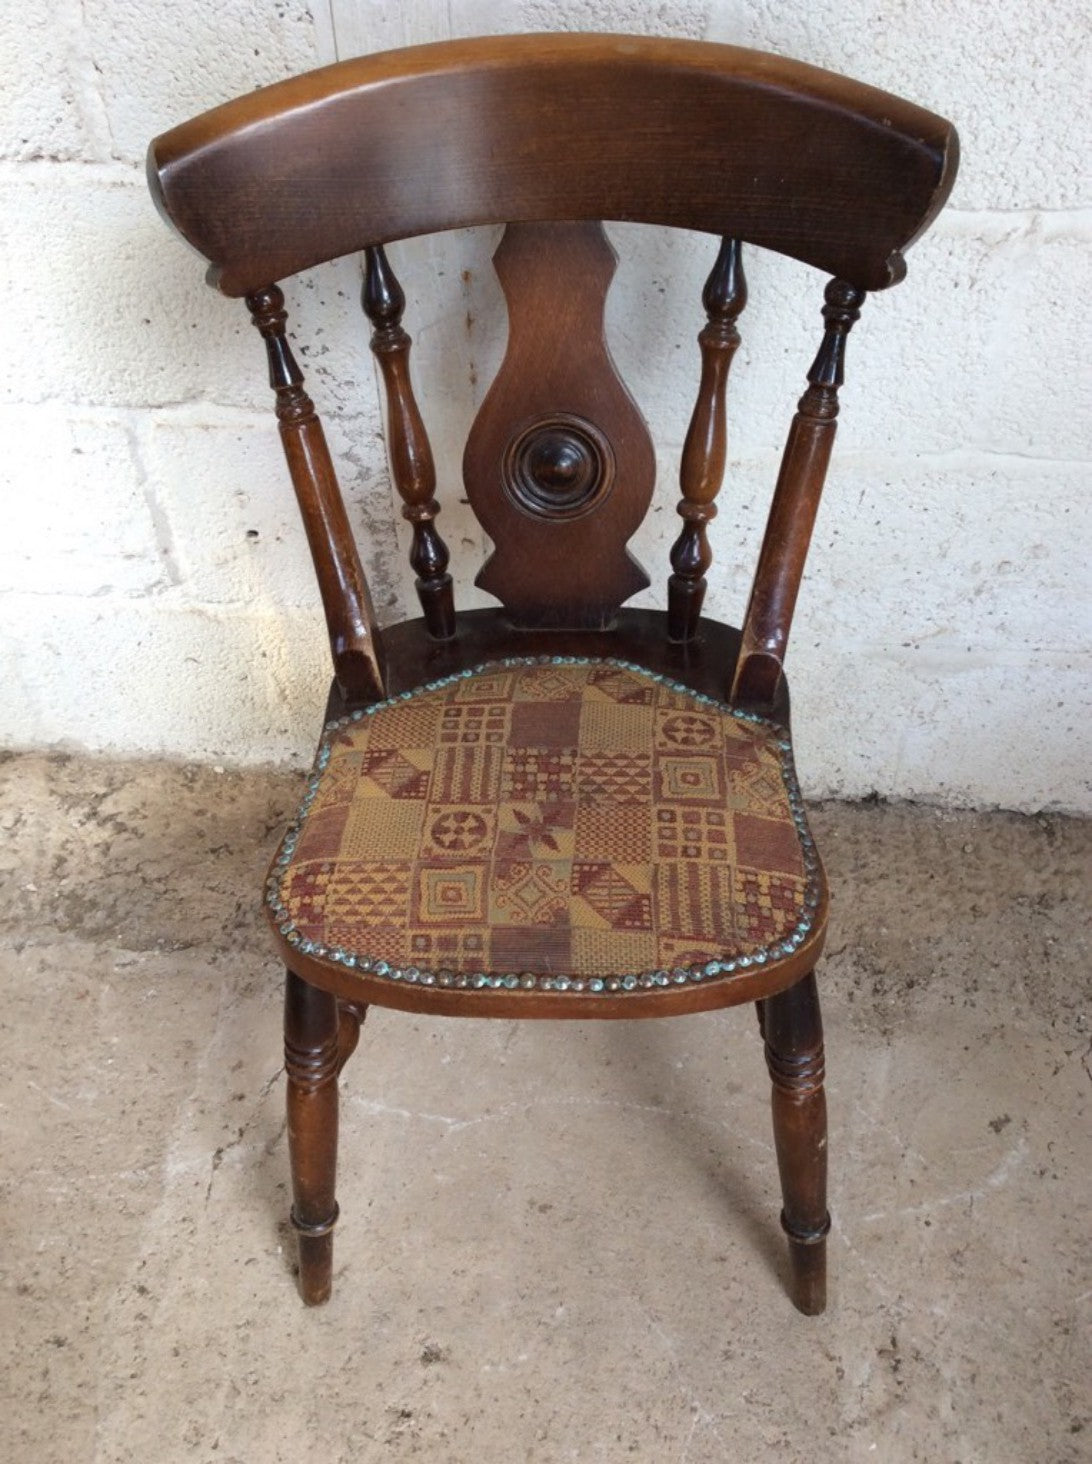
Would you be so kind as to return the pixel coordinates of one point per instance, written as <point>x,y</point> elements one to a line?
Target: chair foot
<point>316,1257</point>
<point>808,1258</point>
<point>793,1031</point>
<point>312,1059</point>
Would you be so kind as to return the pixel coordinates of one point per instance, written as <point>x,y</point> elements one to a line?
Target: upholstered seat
<point>553,824</point>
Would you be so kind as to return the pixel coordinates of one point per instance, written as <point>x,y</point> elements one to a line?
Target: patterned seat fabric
<point>560,823</point>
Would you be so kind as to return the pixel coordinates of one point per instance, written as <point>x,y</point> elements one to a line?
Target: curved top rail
<point>536,127</point>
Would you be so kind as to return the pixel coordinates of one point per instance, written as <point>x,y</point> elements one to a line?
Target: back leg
<point>793,1030</point>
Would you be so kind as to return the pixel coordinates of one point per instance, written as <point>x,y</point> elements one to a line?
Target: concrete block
<point>957,730</point>
<point>654,314</point>
<point>846,719</point>
<point>235,526</point>
<point>1013,734</point>
<point>990,354</point>
<point>163,64</point>
<point>924,578</point>
<point>105,307</point>
<point>225,494</point>
<point>969,557</point>
<point>982,553</point>
<point>75,517</point>
<point>361,27</point>
<point>978,347</point>
<point>50,105</point>
<point>233,685</point>
<point>330,334</point>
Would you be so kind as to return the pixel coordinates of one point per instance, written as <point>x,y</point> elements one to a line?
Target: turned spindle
<point>350,617</point>
<point>412,467</point>
<point>795,503</point>
<point>701,469</point>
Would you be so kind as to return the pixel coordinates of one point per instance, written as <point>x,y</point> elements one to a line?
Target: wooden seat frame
<point>550,135</point>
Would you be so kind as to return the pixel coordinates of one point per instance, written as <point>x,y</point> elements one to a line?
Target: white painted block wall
<point>155,594</point>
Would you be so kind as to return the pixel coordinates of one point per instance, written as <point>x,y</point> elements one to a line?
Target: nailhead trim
<point>527,981</point>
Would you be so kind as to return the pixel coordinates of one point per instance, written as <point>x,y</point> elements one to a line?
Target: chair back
<point>551,135</point>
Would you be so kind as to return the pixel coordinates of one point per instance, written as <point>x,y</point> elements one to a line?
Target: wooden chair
<point>559,808</point>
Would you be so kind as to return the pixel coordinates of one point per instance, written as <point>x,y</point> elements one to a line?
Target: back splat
<point>559,465</point>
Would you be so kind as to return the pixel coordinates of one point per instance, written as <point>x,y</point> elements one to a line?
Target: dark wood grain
<point>706,663</point>
<point>350,616</point>
<point>408,448</point>
<point>701,468</point>
<point>533,128</point>
<point>795,504</point>
<point>312,1060</point>
<point>551,134</point>
<point>793,1032</point>
<point>559,465</point>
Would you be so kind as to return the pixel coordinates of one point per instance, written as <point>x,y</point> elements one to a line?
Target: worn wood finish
<point>530,130</point>
<point>312,1060</point>
<point>408,446</point>
<point>793,1031</point>
<point>795,504</point>
<point>701,469</point>
<point>533,128</point>
<point>559,465</point>
<point>350,617</point>
<point>705,664</point>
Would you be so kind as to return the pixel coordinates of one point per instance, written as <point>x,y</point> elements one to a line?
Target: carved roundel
<point>558,468</point>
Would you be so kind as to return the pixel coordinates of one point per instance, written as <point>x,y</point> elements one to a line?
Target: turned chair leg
<point>319,1035</point>
<point>793,1030</point>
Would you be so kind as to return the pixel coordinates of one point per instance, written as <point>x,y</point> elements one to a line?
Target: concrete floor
<point>558,1242</point>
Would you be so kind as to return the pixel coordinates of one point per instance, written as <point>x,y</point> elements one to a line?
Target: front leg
<point>793,1031</point>
<point>312,1059</point>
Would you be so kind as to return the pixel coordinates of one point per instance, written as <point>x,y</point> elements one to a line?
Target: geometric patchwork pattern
<point>611,896</point>
<point>572,823</point>
<point>701,834</point>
